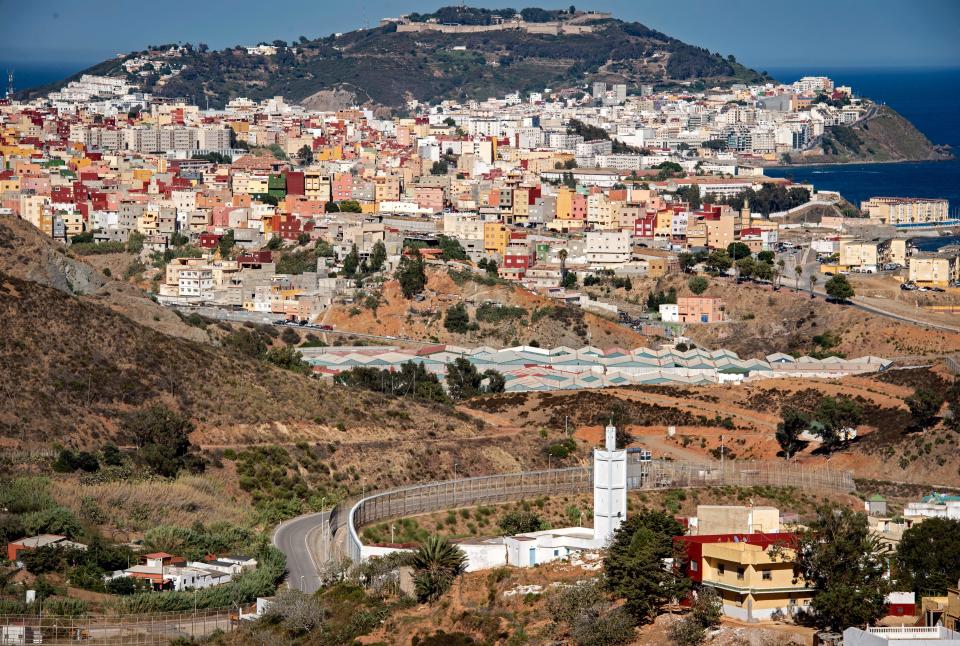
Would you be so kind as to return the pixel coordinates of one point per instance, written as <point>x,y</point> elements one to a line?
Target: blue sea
<point>31,74</point>
<point>930,99</point>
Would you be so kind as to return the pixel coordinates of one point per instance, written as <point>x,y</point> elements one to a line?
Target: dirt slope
<point>763,321</point>
<point>542,321</point>
<point>30,255</point>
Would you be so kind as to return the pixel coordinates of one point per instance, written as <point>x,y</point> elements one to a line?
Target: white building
<point>901,636</point>
<point>607,248</point>
<point>670,313</point>
<point>196,284</point>
<point>934,505</point>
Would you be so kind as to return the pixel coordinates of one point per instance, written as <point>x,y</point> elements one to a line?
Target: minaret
<point>745,213</point>
<point>10,85</point>
<point>609,488</point>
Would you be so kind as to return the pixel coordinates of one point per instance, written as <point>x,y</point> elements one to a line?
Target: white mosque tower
<point>609,488</point>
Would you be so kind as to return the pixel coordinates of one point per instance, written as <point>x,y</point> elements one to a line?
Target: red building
<point>209,240</point>
<point>296,184</point>
<point>644,226</point>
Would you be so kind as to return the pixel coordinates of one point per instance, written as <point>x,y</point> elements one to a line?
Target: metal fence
<point>143,629</point>
<point>953,363</point>
<point>350,515</point>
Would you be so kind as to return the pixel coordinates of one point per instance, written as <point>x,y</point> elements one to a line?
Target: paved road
<point>297,539</point>
<point>811,267</point>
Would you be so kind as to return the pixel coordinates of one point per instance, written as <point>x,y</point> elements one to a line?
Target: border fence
<point>352,514</point>
<point>128,630</point>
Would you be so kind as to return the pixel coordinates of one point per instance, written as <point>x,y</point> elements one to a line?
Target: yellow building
<point>601,214</point>
<point>386,188</point>
<point>944,611</point>
<point>72,222</point>
<point>664,223</point>
<point>564,203</point>
<point>496,237</point>
<point>35,210</point>
<point>905,210</point>
<point>720,231</point>
<point>753,582</point>
<point>521,203</point>
<point>247,184</point>
<point>934,269</point>
<point>12,185</point>
<point>863,255</point>
<point>316,186</point>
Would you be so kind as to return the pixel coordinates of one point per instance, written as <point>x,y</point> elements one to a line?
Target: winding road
<point>297,539</point>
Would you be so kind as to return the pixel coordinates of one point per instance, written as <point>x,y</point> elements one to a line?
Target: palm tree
<point>436,563</point>
<point>798,270</point>
<point>813,281</point>
<point>563,262</point>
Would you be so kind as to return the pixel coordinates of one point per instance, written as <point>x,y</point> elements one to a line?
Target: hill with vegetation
<point>388,67</point>
<point>80,349</point>
<point>884,136</point>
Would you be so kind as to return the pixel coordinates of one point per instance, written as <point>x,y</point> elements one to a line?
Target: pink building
<point>700,309</point>
<point>342,187</point>
<point>429,197</point>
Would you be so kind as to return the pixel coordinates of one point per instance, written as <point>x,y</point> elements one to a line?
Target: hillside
<point>84,349</point>
<point>503,313</point>
<point>388,66</point>
<point>885,136</point>
<point>747,416</point>
<point>32,256</point>
<point>761,321</point>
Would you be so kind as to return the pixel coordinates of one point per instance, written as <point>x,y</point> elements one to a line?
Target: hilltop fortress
<point>576,24</point>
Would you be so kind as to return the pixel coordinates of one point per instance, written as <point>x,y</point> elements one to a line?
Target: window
<point>740,573</point>
<point>767,575</point>
<point>721,569</point>
<point>693,566</point>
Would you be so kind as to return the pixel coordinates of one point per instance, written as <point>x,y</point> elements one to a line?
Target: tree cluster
<point>162,438</point>
<point>845,564</point>
<point>411,274</point>
<point>412,380</point>
<point>635,564</point>
<point>831,416</point>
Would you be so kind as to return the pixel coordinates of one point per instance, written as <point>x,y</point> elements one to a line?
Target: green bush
<point>521,522</point>
<point>491,313</point>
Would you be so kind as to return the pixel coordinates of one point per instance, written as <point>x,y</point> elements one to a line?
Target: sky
<point>763,34</point>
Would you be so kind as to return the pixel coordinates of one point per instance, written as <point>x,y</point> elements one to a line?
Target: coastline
<point>858,162</point>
